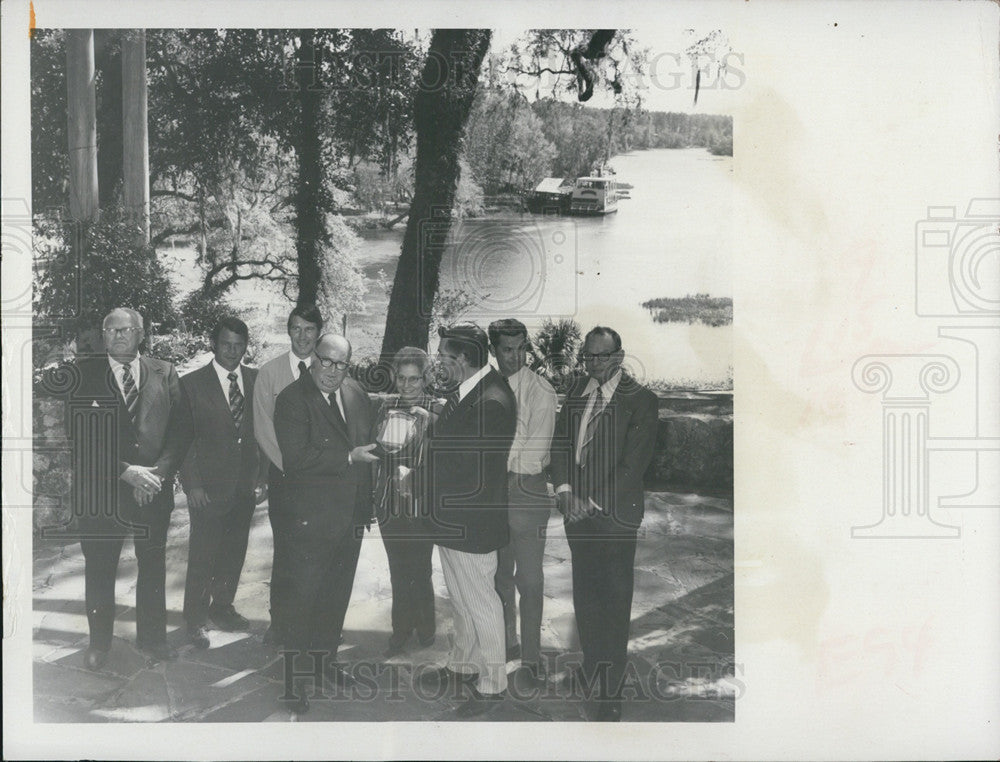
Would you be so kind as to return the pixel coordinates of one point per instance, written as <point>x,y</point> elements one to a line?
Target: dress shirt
<point>470,383</point>
<point>293,363</point>
<point>223,375</point>
<point>117,370</point>
<point>607,390</point>
<point>338,395</point>
<point>536,420</point>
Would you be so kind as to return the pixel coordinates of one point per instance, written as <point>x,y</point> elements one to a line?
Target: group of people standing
<point>464,455</point>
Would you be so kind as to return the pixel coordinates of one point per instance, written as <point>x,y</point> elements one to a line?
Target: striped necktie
<point>130,392</point>
<point>235,400</point>
<point>592,424</point>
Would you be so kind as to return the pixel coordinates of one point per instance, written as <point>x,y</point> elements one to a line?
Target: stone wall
<point>694,451</point>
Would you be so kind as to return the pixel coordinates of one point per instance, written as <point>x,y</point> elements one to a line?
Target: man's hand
<point>422,412</point>
<point>260,493</point>
<point>403,481</point>
<point>142,478</point>
<point>571,507</point>
<point>197,498</point>
<point>141,496</point>
<point>362,454</point>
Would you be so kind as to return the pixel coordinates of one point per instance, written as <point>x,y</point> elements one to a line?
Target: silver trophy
<point>397,431</point>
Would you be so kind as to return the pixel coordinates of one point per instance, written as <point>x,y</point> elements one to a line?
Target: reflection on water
<point>671,238</point>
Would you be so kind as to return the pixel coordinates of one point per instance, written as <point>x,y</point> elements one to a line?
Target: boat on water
<point>594,194</point>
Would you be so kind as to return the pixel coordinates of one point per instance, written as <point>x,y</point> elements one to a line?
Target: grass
<point>700,308</point>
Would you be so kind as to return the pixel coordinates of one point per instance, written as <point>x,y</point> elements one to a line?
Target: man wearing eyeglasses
<point>605,432</point>
<point>304,326</point>
<point>323,425</point>
<point>119,412</point>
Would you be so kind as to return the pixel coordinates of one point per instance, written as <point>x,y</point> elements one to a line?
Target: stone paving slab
<point>682,637</point>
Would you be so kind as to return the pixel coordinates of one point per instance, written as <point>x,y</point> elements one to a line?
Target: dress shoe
<point>393,650</point>
<point>478,703</point>
<point>530,676</point>
<point>299,705</point>
<point>159,651</point>
<point>609,710</point>
<point>514,652</point>
<point>95,658</point>
<point>426,642</point>
<point>433,680</point>
<point>228,620</point>
<point>199,637</point>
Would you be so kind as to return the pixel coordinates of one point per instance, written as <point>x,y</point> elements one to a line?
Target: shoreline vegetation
<point>700,308</point>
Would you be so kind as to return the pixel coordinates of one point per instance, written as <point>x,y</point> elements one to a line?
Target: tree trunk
<point>135,130</point>
<point>108,63</point>
<point>309,206</point>
<point>441,109</point>
<point>81,108</point>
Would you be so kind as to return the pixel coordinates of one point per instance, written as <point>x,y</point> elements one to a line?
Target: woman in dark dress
<point>408,543</point>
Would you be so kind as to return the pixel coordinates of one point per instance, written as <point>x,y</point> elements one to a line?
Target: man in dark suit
<point>304,326</point>
<point>220,475</point>
<point>323,424</point>
<point>467,480</point>
<point>603,443</point>
<point>119,412</point>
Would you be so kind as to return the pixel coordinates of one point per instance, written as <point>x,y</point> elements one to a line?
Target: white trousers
<point>479,629</point>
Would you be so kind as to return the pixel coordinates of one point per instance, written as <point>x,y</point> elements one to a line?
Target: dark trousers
<point>321,575</point>
<point>216,552</point>
<point>519,563</point>
<point>409,552</point>
<point>603,553</point>
<point>101,557</point>
<point>279,534</point>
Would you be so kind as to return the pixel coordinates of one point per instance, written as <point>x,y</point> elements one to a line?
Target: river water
<point>673,237</point>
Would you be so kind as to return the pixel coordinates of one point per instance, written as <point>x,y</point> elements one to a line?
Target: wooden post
<point>135,129</point>
<point>81,110</point>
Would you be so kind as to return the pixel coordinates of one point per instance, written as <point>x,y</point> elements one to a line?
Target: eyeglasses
<point>127,330</point>
<point>328,363</point>
<point>597,356</point>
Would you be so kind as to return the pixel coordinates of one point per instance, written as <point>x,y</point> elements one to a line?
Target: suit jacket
<point>222,459</point>
<point>323,493</point>
<point>622,448</point>
<point>466,462</point>
<point>272,379</point>
<point>106,442</point>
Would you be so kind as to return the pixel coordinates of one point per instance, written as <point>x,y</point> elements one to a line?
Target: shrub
<point>84,270</point>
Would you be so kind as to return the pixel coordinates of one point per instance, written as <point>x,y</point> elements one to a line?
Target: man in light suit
<point>466,464</point>
<point>304,326</point>
<point>603,443</point>
<point>323,423</point>
<point>120,407</point>
<point>222,479</point>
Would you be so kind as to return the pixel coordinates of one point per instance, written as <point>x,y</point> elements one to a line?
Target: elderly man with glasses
<point>323,424</point>
<point>119,410</point>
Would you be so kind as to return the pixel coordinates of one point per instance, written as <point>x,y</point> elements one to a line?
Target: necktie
<point>235,400</point>
<point>451,402</point>
<point>303,368</point>
<point>592,423</point>
<point>336,409</point>
<point>129,392</point>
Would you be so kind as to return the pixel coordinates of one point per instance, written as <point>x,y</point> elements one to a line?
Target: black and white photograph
<point>387,368</point>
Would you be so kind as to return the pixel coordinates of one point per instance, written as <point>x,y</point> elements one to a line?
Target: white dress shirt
<point>294,360</point>
<point>607,390</point>
<point>470,383</point>
<point>339,396</point>
<point>117,369</point>
<point>536,420</point>
<point>223,375</point>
